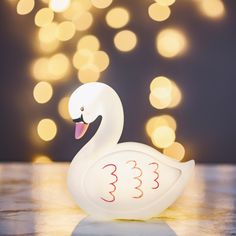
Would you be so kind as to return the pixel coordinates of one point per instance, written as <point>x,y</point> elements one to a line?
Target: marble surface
<point>34,200</point>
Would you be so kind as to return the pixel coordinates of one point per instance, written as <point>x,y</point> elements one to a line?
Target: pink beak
<point>80,129</point>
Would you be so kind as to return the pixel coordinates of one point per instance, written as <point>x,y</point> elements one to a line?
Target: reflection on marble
<point>34,201</point>
<point>89,226</point>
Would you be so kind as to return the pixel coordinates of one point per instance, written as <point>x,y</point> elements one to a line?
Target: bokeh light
<point>25,7</point>
<point>83,21</point>
<point>73,10</point>
<point>101,60</point>
<point>165,2</point>
<point>42,92</point>
<point>164,93</point>
<point>89,42</point>
<point>63,108</point>
<point>65,31</point>
<point>171,43</point>
<point>42,159</point>
<point>212,8</point>
<point>163,136</point>
<point>125,40</point>
<point>85,4</point>
<point>43,17</point>
<point>47,129</point>
<point>45,1</point>
<point>89,59</point>
<point>157,121</point>
<point>117,17</point>
<point>176,96</point>
<point>158,12</point>
<point>76,8</point>
<point>59,5</point>
<point>175,150</point>
<point>82,57</point>
<point>40,69</point>
<point>48,33</point>
<point>160,98</point>
<point>85,57</point>
<point>48,47</point>
<point>101,3</point>
<point>58,66</point>
<point>88,73</point>
<point>169,121</point>
<point>160,82</point>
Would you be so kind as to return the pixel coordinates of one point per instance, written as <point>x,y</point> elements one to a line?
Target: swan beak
<point>80,129</point>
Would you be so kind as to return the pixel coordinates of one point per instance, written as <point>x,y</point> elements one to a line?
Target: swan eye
<point>82,108</point>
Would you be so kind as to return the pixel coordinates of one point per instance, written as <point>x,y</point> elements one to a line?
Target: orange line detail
<point>112,183</point>
<point>155,171</point>
<point>137,178</point>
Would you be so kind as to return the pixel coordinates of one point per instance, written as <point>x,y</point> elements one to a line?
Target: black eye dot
<point>82,108</point>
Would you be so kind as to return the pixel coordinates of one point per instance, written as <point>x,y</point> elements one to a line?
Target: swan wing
<point>135,181</point>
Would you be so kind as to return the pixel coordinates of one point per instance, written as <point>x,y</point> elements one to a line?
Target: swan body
<point>118,181</point>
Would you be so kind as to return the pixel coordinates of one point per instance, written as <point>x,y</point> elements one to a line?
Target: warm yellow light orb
<point>48,47</point>
<point>170,43</point>
<point>65,31</point>
<point>40,69</point>
<point>59,5</point>
<point>73,10</point>
<point>175,150</point>
<point>89,42</point>
<point>157,121</point>
<point>82,58</point>
<point>212,8</point>
<point>101,3</point>
<point>42,159</point>
<point>45,1</point>
<point>58,66</point>
<point>83,21</point>
<point>63,108</point>
<point>160,82</point>
<point>48,33</point>
<point>86,4</point>
<point>42,92</point>
<point>163,136</point>
<point>161,101</point>
<point>101,60</point>
<point>164,93</point>
<point>47,129</point>
<point>43,17</point>
<point>152,124</point>
<point>25,7</point>
<point>165,2</point>
<point>158,12</point>
<point>117,17</point>
<point>176,96</point>
<point>88,73</point>
<point>76,8</point>
<point>160,96</point>
<point>170,121</point>
<point>125,40</point>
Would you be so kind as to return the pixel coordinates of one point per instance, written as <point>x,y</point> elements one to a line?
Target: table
<point>34,200</point>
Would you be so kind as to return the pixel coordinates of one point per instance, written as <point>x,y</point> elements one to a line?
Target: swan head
<point>84,106</point>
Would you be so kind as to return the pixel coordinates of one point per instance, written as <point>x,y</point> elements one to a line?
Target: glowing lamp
<point>118,181</point>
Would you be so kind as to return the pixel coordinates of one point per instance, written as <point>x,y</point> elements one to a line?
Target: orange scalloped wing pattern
<point>112,183</point>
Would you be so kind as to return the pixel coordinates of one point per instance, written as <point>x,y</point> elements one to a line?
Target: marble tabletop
<point>34,200</point>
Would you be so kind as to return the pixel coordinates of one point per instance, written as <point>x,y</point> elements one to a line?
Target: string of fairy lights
<point>59,21</point>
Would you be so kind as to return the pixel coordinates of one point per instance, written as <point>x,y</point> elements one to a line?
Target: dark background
<point>206,75</point>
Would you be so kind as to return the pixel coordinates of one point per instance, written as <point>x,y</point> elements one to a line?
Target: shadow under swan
<point>89,226</point>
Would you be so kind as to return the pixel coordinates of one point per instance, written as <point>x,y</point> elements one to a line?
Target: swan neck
<point>110,129</point>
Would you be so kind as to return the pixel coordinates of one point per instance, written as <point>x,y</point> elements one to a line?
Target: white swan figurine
<point>118,181</point>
